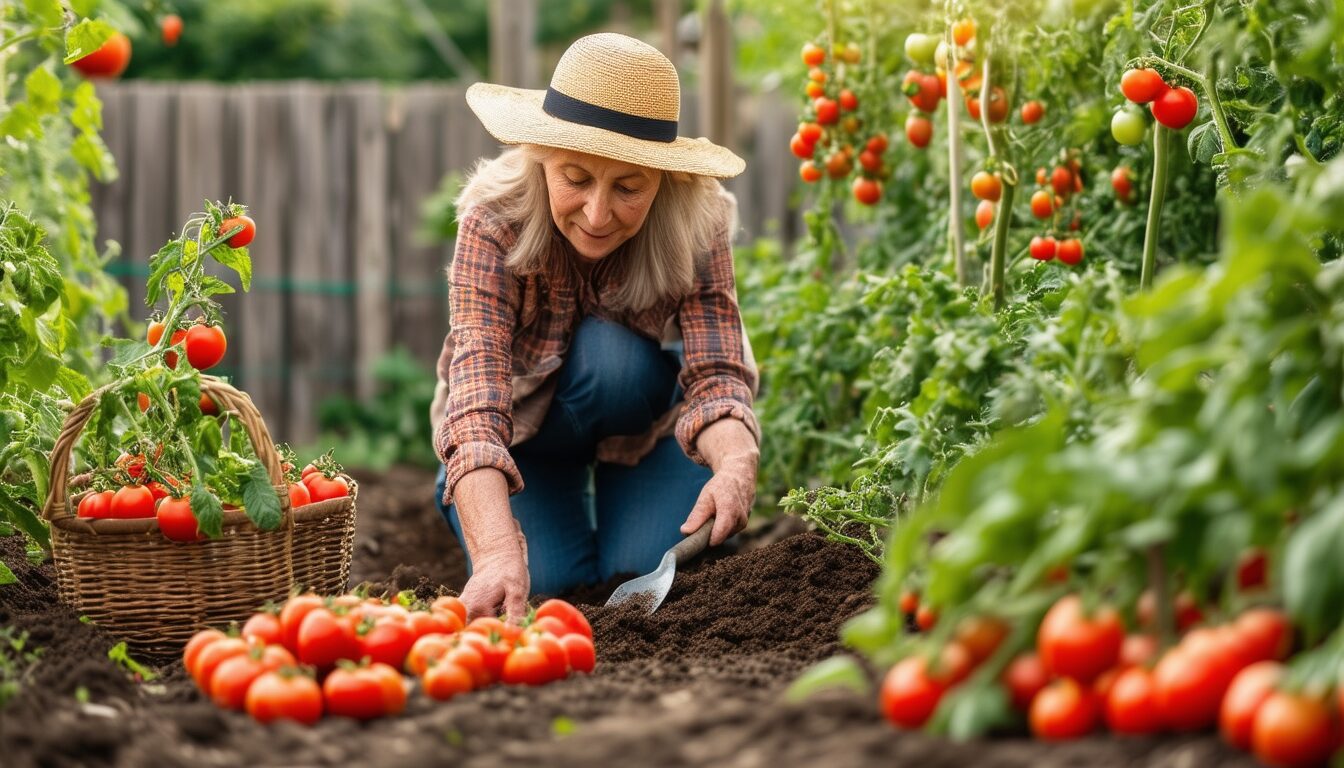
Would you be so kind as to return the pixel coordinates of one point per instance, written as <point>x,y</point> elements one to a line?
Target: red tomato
<point>526,665</point>
<point>1142,85</point>
<point>909,695</point>
<point>1129,703</point>
<point>926,618</point>
<point>299,495</point>
<point>171,27</point>
<point>848,101</point>
<point>986,186</point>
<point>1293,730</point>
<point>426,650</point>
<point>550,646</point>
<point>388,641</point>
<point>801,148</point>
<point>214,654</point>
<point>192,651</point>
<point>325,638</point>
<point>1266,634</point>
<point>816,75</point>
<point>109,60</point>
<point>493,652</point>
<point>453,604</point>
<point>921,90</point>
<point>1032,112</point>
<point>814,90</point>
<point>96,506</point>
<point>355,693</point>
<point>1042,204</point>
<point>813,54</point>
<point>984,214</point>
<point>811,132</point>
<point>809,172</point>
<point>1024,678</point>
<point>244,236</point>
<point>828,112</point>
<point>392,685</point>
<point>176,520</point>
<point>579,653</point>
<point>170,358</point>
<point>1249,689</point>
<point>286,695</point>
<point>909,601</point>
<point>1072,644</point>
<point>205,346</point>
<point>1190,688</point>
<point>1122,181</point>
<point>234,675</point>
<point>867,191</point>
<point>1138,650</point>
<point>1175,108</point>
<point>877,144</point>
<point>433,622</point>
<point>1040,177</point>
<point>869,161</point>
<point>981,636</point>
<point>292,615</point>
<point>322,488</point>
<point>1063,710</point>
<point>445,680</point>
<point>132,502</point>
<point>918,131</point>
<point>567,613</point>
<point>1252,567</point>
<point>1061,179</point>
<point>264,626</point>
<point>1042,248</point>
<point>1070,251</point>
<point>469,658</point>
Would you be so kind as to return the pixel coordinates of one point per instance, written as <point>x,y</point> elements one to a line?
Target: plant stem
<point>1154,207</point>
<point>1206,83</point>
<point>1157,582</point>
<point>955,229</point>
<point>1008,174</point>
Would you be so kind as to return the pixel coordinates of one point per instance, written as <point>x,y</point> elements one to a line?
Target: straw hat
<point>612,96</point>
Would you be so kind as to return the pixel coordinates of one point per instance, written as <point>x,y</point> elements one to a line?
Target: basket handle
<point>230,399</point>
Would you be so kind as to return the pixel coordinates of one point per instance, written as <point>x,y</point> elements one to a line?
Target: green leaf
<point>161,264</point>
<point>970,711</point>
<point>126,350</point>
<point>45,12</point>
<point>75,384</point>
<point>835,672</point>
<point>213,286</point>
<point>86,37</point>
<point>44,91</point>
<point>237,260</point>
<point>209,514</point>
<point>122,656</point>
<point>21,123</point>
<point>1313,585</point>
<point>1204,143</point>
<point>259,499</point>
<point>7,576</point>
<point>19,512</point>
<point>90,152</point>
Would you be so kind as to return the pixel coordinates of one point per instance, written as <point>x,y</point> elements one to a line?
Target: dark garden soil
<point>697,683</point>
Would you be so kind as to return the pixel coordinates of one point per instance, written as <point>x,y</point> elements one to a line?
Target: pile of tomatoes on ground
<point>1086,673</point>
<point>350,656</point>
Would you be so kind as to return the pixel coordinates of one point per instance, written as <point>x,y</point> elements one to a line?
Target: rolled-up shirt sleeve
<point>716,373</point>
<point>477,426</point>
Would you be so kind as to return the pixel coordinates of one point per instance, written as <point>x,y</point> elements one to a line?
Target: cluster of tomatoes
<point>1047,204</point>
<point>831,126</point>
<point>1087,672</point>
<point>1172,107</point>
<point>167,500</point>
<point>348,656</point>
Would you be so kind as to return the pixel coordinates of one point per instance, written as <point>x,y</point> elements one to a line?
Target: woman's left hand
<point>727,498</point>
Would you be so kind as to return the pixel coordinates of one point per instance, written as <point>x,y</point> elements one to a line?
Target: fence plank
<point>372,254</point>
<point>150,183</point>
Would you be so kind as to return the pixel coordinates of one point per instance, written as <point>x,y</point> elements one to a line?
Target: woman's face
<point>598,203</point>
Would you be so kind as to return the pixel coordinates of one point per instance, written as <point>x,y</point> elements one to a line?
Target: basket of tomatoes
<point>201,518</point>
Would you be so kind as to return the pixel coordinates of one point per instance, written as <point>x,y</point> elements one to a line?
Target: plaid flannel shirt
<point>509,334</point>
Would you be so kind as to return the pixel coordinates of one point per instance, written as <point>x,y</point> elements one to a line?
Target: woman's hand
<point>727,498</point>
<point>498,579</point>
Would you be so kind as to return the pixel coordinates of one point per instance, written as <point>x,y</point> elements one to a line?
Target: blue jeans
<point>585,520</point>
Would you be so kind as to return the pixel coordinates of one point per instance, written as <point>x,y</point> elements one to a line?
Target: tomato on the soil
<point>909,694</point>
<point>1073,644</point>
<point>284,695</point>
<point>1249,689</point>
<point>265,626</point>
<point>1293,730</point>
<point>325,638</point>
<point>1025,677</point>
<point>355,693</point>
<point>233,677</point>
<point>1266,634</point>
<point>1063,710</point>
<point>564,611</point>
<point>444,680</point>
<point>1129,703</point>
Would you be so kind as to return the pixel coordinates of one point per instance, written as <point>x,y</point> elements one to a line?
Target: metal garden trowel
<point>653,587</point>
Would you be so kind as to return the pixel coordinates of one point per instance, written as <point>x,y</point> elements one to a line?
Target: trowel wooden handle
<point>694,544</point>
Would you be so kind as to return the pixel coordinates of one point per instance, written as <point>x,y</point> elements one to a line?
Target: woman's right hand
<point>498,579</point>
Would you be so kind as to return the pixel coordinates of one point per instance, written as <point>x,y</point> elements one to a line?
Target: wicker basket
<point>155,593</point>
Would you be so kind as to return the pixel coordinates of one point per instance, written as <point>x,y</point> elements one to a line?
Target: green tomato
<point>1128,127</point>
<point>920,47</point>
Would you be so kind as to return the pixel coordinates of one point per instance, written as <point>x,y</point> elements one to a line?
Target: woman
<point>595,387</point>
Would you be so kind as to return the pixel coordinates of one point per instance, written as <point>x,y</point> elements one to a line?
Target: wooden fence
<point>335,176</point>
